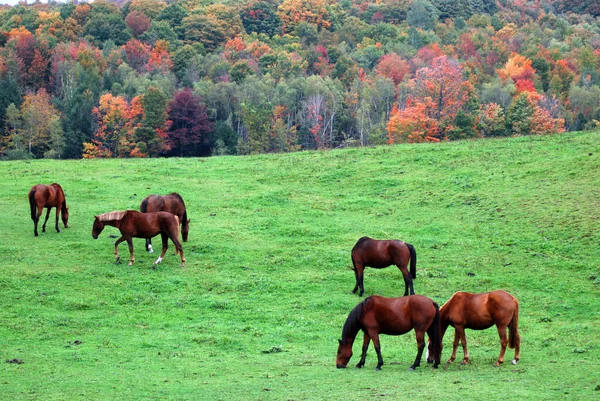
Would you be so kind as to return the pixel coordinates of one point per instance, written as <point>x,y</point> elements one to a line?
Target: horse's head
<point>97,227</point>
<point>65,216</point>
<point>185,229</point>
<point>344,353</point>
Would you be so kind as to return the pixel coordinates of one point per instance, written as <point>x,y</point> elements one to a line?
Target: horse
<point>465,310</point>
<point>132,223</point>
<point>383,253</point>
<point>47,196</point>
<point>392,316</point>
<point>172,203</point>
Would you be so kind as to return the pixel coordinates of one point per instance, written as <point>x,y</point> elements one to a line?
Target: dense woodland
<point>146,78</point>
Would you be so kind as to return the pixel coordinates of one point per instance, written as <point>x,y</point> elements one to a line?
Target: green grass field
<point>257,311</point>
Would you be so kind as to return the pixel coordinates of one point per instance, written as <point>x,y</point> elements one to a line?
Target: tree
<point>151,136</point>
<point>38,115</point>
<point>106,23</point>
<point>189,134</point>
<point>422,14</point>
<point>138,22</point>
<point>260,17</point>
<point>293,12</point>
<point>412,123</point>
<point>114,136</point>
<point>206,29</point>
<point>393,67</point>
<point>443,84</point>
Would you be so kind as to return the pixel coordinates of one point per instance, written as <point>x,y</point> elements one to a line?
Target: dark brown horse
<point>132,223</point>
<point>479,312</point>
<point>392,316</point>
<point>383,253</point>
<point>47,196</point>
<point>172,203</point>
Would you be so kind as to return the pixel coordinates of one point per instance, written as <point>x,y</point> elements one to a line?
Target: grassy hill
<point>258,309</point>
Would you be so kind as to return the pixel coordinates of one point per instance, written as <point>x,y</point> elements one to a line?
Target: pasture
<point>257,311</point>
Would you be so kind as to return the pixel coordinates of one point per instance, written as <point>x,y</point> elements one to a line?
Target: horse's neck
<point>114,223</point>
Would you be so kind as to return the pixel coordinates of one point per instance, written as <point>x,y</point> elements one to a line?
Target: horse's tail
<point>514,339</point>
<point>144,206</point>
<point>435,335</point>
<point>32,204</point>
<point>413,260</point>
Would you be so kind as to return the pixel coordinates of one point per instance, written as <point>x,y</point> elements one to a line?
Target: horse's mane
<point>360,241</point>
<point>110,216</point>
<point>352,324</point>
<point>176,195</point>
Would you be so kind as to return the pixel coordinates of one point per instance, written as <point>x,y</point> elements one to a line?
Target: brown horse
<point>383,253</point>
<point>47,196</point>
<point>479,312</point>
<point>392,316</point>
<point>132,223</point>
<point>172,203</point>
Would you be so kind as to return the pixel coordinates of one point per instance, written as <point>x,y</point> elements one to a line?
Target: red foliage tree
<point>138,22</point>
<point>392,66</point>
<point>190,126</point>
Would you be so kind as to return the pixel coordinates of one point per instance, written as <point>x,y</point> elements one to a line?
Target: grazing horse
<point>383,253</point>
<point>392,316</point>
<point>172,203</point>
<point>47,196</point>
<point>479,312</point>
<point>132,223</point>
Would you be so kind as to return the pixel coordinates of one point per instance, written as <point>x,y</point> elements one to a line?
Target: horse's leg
<point>149,245</point>
<point>36,220</point>
<point>359,274</point>
<point>407,280</point>
<point>463,339</point>
<point>165,246</point>
<point>366,341</point>
<point>56,223</point>
<point>503,343</point>
<point>420,334</point>
<point>131,257</point>
<point>178,247</point>
<point>375,337</point>
<point>117,257</point>
<point>46,219</point>
<point>454,346</point>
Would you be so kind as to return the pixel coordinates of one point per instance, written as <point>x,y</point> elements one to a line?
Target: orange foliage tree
<point>293,12</point>
<point>413,123</point>
<point>117,120</point>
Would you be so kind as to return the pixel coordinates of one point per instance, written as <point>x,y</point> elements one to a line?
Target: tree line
<point>147,78</point>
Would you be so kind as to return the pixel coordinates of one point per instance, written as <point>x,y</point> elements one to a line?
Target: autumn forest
<point>147,78</point>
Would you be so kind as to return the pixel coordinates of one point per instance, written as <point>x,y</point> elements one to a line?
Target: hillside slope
<point>257,311</point>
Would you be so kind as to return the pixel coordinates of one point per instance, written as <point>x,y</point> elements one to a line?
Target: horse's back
<point>402,314</point>
<point>379,253</point>
<point>478,311</point>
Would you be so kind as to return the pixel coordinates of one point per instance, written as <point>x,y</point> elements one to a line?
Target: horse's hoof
<point>514,361</point>
<point>359,365</point>
<point>411,369</point>
<point>377,369</point>
<point>436,366</point>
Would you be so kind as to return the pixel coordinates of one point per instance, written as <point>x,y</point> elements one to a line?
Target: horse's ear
<point>340,341</point>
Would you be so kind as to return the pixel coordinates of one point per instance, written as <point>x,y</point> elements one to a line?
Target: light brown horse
<point>47,196</point>
<point>132,223</point>
<point>383,253</point>
<point>479,312</point>
<point>392,316</point>
<point>172,203</point>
